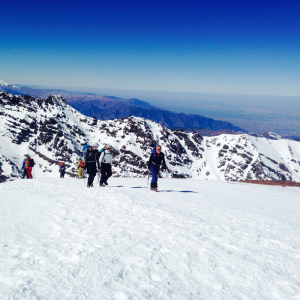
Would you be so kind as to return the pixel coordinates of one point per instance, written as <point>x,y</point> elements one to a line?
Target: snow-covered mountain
<point>50,130</point>
<point>6,85</point>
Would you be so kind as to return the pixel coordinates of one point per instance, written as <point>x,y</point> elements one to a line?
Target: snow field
<point>194,239</point>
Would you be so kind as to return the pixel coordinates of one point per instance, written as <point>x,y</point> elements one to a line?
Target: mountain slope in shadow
<point>118,109</point>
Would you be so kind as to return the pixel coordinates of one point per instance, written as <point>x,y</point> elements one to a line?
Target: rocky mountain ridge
<point>50,130</point>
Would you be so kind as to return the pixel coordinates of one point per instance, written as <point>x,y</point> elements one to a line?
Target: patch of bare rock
<point>273,182</point>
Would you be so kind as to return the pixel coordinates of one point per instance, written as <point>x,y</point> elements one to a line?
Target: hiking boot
<point>102,185</point>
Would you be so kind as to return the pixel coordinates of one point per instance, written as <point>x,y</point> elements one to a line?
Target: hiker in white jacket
<point>105,163</point>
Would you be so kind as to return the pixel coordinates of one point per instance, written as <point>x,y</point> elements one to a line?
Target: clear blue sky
<point>245,47</point>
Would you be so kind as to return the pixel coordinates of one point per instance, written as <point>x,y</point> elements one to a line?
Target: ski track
<point>194,239</point>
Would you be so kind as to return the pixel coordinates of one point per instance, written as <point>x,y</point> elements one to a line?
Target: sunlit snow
<point>194,239</point>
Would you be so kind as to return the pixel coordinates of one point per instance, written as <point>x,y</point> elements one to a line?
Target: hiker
<point>29,163</point>
<point>80,168</point>
<point>2,178</point>
<point>91,163</point>
<point>25,174</point>
<point>105,165</point>
<point>62,169</point>
<point>156,159</point>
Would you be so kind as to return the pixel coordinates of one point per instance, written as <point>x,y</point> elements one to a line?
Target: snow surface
<point>195,239</point>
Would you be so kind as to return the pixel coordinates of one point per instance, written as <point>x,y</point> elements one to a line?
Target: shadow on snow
<point>162,191</point>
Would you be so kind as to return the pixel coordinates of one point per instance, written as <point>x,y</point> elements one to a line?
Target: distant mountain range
<point>109,108</point>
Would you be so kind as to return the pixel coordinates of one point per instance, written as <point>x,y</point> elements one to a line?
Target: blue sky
<point>239,47</point>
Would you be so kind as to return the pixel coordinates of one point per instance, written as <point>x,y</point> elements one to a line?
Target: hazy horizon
<point>255,113</point>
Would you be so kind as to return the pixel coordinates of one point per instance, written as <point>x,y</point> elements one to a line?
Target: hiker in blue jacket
<point>156,160</point>
<point>23,167</point>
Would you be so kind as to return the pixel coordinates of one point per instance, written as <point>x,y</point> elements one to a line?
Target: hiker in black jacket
<point>1,173</point>
<point>156,160</point>
<point>92,163</point>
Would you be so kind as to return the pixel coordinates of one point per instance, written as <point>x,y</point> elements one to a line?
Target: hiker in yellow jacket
<point>80,167</point>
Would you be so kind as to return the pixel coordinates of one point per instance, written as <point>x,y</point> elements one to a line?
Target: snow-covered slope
<point>194,239</point>
<point>50,130</point>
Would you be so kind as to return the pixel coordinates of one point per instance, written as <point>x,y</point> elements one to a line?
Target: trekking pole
<point>148,179</point>
<point>99,177</point>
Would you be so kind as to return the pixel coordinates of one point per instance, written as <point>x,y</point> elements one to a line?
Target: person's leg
<point>154,171</point>
<point>103,174</point>
<point>29,172</point>
<point>80,173</point>
<point>91,179</point>
<point>63,174</point>
<point>25,174</point>
<point>92,182</point>
<point>107,172</point>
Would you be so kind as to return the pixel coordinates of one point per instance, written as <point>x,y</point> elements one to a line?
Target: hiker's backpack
<point>84,149</point>
<point>31,162</point>
<point>154,150</point>
<point>82,163</point>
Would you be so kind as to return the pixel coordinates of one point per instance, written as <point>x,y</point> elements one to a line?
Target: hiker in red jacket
<point>62,169</point>
<point>28,167</point>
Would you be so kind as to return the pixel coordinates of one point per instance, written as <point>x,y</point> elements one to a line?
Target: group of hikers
<point>28,164</point>
<point>100,162</point>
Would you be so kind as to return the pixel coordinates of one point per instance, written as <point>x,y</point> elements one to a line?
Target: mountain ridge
<point>51,130</point>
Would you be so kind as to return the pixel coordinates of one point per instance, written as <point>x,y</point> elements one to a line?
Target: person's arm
<point>101,159</point>
<point>150,161</point>
<point>164,163</point>
<point>85,158</point>
<point>97,159</point>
